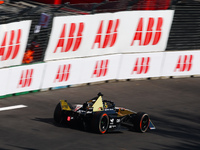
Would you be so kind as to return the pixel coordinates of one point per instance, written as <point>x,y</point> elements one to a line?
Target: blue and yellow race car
<point>101,116</point>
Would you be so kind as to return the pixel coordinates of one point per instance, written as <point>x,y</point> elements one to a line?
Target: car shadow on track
<point>18,147</point>
<point>74,127</point>
<point>3,149</point>
<point>45,120</point>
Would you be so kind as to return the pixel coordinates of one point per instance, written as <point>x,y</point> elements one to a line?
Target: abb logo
<point>141,65</point>
<point>63,73</point>
<point>26,78</point>
<point>184,63</point>
<point>101,68</point>
<point>10,44</point>
<point>110,36</point>
<point>72,40</point>
<point>151,35</point>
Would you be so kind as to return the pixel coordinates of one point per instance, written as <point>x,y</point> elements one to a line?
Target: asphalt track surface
<point>173,105</point>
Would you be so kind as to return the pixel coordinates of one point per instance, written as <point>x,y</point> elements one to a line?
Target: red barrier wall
<point>153,4</point>
<point>140,5</point>
<point>71,1</point>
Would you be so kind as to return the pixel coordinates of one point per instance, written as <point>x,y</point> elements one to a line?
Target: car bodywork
<point>101,116</point>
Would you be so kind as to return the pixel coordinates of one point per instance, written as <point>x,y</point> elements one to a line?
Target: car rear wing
<point>98,105</point>
<point>64,105</point>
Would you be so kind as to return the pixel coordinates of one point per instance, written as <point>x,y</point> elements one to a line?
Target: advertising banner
<point>142,65</point>
<point>25,78</point>
<point>144,31</point>
<point>78,36</point>
<point>181,63</point>
<point>100,68</point>
<point>62,73</point>
<point>13,42</point>
<point>109,33</point>
<point>80,70</point>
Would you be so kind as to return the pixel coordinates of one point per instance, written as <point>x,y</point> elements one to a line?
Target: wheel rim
<point>103,123</point>
<point>144,124</point>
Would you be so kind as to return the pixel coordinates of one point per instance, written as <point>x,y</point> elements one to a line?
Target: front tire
<point>141,122</point>
<point>100,123</point>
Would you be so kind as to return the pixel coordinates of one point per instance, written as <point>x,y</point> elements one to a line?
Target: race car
<point>101,116</point>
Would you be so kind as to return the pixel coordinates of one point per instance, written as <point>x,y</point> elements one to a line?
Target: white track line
<point>12,107</point>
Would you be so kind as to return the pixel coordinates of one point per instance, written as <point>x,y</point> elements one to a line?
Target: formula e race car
<point>100,116</point>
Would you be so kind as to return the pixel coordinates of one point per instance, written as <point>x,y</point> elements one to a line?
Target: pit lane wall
<point>93,48</point>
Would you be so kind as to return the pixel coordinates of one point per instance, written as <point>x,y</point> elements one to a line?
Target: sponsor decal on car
<point>112,121</point>
<point>118,120</point>
<point>112,126</point>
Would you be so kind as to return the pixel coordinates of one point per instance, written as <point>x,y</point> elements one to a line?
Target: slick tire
<point>100,123</point>
<point>58,116</point>
<point>141,122</point>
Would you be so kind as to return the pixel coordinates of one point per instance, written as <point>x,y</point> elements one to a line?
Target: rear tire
<point>58,115</point>
<point>100,123</point>
<point>141,122</point>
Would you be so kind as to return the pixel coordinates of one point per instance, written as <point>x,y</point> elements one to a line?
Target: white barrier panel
<point>181,63</point>
<point>144,31</point>
<point>100,68</point>
<point>140,65</point>
<point>74,36</point>
<point>4,77</point>
<point>81,70</point>
<point>25,78</point>
<point>13,41</point>
<point>61,73</point>
<point>109,33</point>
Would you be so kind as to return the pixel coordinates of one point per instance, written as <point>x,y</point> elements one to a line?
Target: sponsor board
<point>181,63</point>
<point>80,36</point>
<point>144,31</point>
<point>61,73</point>
<point>13,41</point>
<point>100,68</point>
<point>141,65</point>
<point>100,34</point>
<point>25,78</point>
<point>81,70</point>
